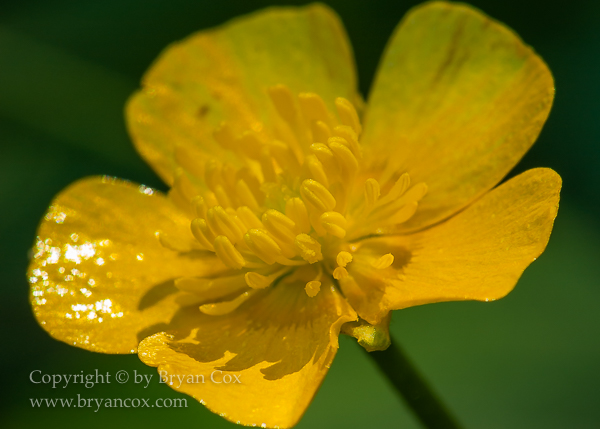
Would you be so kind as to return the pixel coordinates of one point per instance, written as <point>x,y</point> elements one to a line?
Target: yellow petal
<point>224,74</point>
<point>280,343</point>
<point>479,254</point>
<point>100,277</point>
<point>457,101</point>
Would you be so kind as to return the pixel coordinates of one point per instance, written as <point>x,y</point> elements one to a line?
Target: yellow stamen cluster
<point>293,198</point>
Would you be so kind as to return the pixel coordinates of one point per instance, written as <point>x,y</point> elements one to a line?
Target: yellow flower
<point>294,210</point>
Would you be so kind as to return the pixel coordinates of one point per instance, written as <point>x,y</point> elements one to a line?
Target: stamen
<point>250,145</point>
<point>279,225</point>
<point>177,246</point>
<point>228,253</point>
<point>310,249</point>
<point>281,229</point>
<point>317,195</point>
<point>221,308</point>
<point>340,273</point>
<point>248,218</point>
<point>313,108</point>
<point>398,189</point>
<point>384,262</point>
<point>202,233</point>
<point>312,288</point>
<point>199,206</point>
<point>222,196</point>
<point>245,195</point>
<point>221,223</point>
<point>184,186</point>
<point>288,192</point>
<point>327,158</point>
<point>263,246</point>
<point>334,223</point>
<point>284,157</point>
<point>343,258</point>
<point>212,174</point>
<point>211,288</point>
<point>372,193</point>
<point>347,161</point>
<point>258,281</point>
<point>316,169</point>
<point>224,136</point>
<point>283,100</point>
<point>320,131</point>
<point>191,160</point>
<point>350,136</point>
<point>296,211</point>
<point>210,200</point>
<point>348,115</point>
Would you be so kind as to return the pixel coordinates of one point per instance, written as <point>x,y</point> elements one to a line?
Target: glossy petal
<point>279,343</point>
<point>223,75</point>
<point>100,278</point>
<point>479,254</point>
<point>457,101</point>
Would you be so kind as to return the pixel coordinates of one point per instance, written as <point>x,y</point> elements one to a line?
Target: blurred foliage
<point>527,361</point>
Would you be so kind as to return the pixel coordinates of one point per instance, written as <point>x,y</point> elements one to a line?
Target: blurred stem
<point>413,388</point>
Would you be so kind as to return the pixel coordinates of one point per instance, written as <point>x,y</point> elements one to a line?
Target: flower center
<point>293,202</point>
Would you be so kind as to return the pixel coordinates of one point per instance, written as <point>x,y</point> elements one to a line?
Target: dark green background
<point>530,360</point>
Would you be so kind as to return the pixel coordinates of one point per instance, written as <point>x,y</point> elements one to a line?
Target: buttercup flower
<point>295,210</point>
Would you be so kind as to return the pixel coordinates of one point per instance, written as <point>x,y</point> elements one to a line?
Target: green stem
<point>413,388</point>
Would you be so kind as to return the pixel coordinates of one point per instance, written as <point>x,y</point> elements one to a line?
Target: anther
<point>316,169</point>
<point>191,160</point>
<point>250,145</point>
<point>211,288</point>
<point>320,131</point>
<point>312,288</point>
<point>317,196</point>
<point>248,218</point>
<point>228,253</point>
<point>283,100</point>
<point>258,281</point>
<point>221,308</point>
<point>347,160</point>
<point>372,193</point>
<point>310,249</point>
<point>349,135</point>
<point>343,258</point>
<point>221,223</point>
<point>245,195</point>
<point>313,108</point>
<point>296,211</point>
<point>348,115</point>
<point>202,233</point>
<point>212,174</point>
<point>384,262</point>
<point>398,189</point>
<point>340,273</point>
<point>327,158</point>
<point>263,246</point>
<point>334,223</point>
<point>184,186</point>
<point>279,225</point>
<point>199,206</point>
<point>224,136</point>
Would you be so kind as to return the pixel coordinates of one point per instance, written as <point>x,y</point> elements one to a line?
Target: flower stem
<point>413,388</point>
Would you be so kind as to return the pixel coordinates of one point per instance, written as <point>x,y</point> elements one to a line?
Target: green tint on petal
<point>479,254</point>
<point>224,74</point>
<point>457,101</point>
